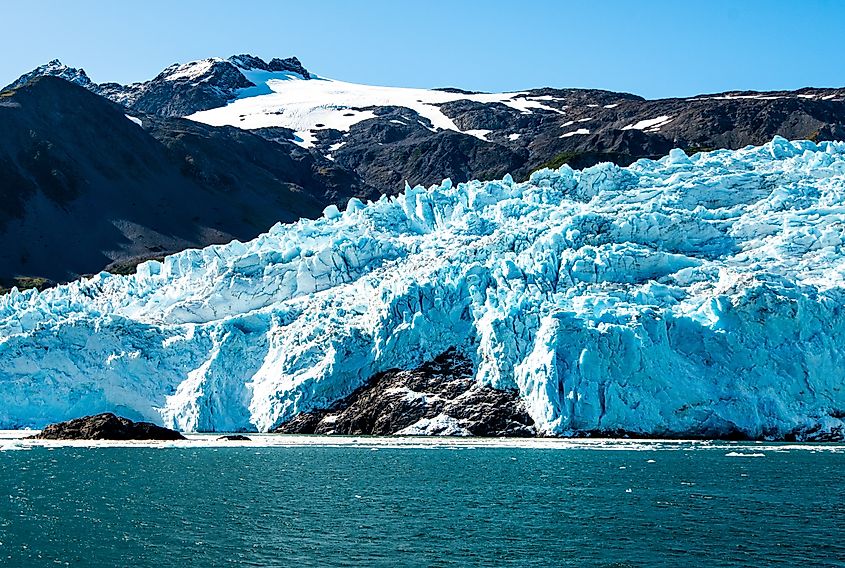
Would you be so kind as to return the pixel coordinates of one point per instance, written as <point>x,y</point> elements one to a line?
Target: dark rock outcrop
<point>390,154</point>
<point>289,64</point>
<point>234,438</point>
<point>106,426</point>
<point>439,397</point>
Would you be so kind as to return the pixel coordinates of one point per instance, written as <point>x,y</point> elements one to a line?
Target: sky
<point>654,48</point>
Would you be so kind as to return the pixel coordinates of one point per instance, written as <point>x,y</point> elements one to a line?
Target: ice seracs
<point>686,296</point>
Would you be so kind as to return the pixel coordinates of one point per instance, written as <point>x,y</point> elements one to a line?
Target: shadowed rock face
<point>106,426</point>
<point>416,155</point>
<point>438,398</point>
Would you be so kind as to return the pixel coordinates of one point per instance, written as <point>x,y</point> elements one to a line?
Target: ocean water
<point>422,503</point>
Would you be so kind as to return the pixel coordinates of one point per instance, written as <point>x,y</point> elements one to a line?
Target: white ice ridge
<point>684,295</point>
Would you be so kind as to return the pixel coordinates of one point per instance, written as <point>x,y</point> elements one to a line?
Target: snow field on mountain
<point>284,99</point>
<point>684,296</point>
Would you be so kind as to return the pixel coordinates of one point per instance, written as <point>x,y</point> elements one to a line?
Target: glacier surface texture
<point>685,296</point>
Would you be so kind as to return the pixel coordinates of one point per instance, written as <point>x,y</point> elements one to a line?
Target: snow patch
<point>190,71</point>
<point>480,134</point>
<point>574,132</point>
<point>651,123</point>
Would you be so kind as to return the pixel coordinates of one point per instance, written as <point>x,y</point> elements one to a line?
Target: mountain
<point>55,68</point>
<point>180,89</point>
<point>688,296</point>
<point>330,140</point>
<point>389,135</point>
<point>86,185</point>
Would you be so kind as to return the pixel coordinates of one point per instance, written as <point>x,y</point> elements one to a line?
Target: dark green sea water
<point>488,506</point>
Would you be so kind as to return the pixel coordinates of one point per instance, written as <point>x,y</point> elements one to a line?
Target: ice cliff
<point>689,295</point>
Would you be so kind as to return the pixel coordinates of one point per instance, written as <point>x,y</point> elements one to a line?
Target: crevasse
<point>685,296</point>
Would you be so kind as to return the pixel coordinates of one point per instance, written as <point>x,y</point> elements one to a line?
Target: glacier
<point>685,296</point>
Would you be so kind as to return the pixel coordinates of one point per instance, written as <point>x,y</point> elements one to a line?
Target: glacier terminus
<point>688,296</point>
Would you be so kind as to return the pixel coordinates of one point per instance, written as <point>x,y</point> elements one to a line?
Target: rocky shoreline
<point>438,399</point>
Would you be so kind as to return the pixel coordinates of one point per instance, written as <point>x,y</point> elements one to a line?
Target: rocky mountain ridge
<point>486,134</point>
<point>180,89</point>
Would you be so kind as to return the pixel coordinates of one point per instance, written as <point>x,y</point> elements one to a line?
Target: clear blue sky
<point>654,48</point>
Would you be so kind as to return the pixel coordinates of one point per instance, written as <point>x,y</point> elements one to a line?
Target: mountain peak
<point>191,71</point>
<point>54,68</point>
<point>249,62</point>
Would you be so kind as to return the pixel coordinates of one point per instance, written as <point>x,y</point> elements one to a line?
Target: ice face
<point>689,295</point>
